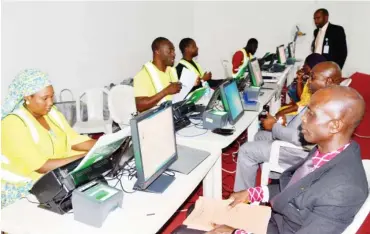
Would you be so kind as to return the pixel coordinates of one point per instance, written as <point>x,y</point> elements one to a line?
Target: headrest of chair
<point>121,102</point>
<point>346,82</point>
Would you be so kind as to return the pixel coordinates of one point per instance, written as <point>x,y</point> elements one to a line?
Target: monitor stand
<point>159,185</point>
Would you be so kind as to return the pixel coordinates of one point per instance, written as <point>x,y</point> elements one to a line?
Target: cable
<point>67,195</point>
<point>193,135</point>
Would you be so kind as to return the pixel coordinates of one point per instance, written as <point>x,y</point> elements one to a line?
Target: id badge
<point>326,49</point>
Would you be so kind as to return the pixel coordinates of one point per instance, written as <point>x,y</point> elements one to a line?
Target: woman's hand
<point>84,146</point>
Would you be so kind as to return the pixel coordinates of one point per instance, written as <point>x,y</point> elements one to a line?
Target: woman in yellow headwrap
<point>35,136</point>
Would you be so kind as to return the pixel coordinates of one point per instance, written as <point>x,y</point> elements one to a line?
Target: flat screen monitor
<point>255,73</point>
<point>291,49</point>
<point>280,51</point>
<point>154,144</point>
<point>214,99</point>
<point>231,101</point>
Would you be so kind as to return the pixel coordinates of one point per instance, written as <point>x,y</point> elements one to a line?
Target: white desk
<point>282,77</point>
<point>25,217</point>
<point>206,140</point>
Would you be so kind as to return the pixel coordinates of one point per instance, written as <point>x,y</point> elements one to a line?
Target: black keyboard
<point>278,68</point>
<point>266,67</point>
<point>181,123</point>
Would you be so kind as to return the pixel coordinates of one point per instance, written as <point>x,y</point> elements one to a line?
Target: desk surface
<point>203,138</point>
<point>25,217</point>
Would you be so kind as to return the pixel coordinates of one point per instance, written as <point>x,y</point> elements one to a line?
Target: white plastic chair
<point>226,64</point>
<point>121,103</point>
<point>365,208</point>
<point>95,113</point>
<point>346,82</point>
<point>273,164</point>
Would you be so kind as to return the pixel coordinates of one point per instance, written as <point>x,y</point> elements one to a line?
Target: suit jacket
<point>292,132</point>
<point>324,201</point>
<point>335,37</point>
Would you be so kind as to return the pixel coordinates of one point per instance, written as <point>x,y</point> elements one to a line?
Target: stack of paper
<point>250,218</point>
<point>187,80</point>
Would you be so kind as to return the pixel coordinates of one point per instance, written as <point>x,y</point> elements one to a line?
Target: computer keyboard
<point>181,123</point>
<point>278,68</point>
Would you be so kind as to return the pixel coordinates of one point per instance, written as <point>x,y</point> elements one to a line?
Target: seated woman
<point>35,136</point>
<point>302,89</point>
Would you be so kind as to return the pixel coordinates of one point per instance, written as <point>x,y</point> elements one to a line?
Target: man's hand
<point>221,229</point>
<point>300,74</point>
<point>207,76</point>
<point>282,116</point>
<point>239,197</point>
<point>173,88</point>
<point>197,81</point>
<point>269,122</point>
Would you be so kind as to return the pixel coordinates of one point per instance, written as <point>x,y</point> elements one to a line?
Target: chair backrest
<point>94,102</point>
<point>365,209</point>
<point>346,82</point>
<point>226,64</point>
<point>121,103</point>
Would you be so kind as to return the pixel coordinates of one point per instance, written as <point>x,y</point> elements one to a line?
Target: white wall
<point>221,28</point>
<point>87,44</point>
<point>90,44</point>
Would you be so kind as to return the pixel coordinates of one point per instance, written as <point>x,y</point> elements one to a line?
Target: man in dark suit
<point>329,39</point>
<point>323,192</point>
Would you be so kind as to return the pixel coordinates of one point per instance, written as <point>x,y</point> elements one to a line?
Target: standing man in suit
<point>329,39</point>
<point>323,192</point>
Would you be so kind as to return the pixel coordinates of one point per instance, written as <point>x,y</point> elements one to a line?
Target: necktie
<point>318,42</point>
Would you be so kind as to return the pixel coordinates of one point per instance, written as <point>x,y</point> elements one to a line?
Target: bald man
<point>252,154</point>
<point>323,192</point>
<point>157,81</point>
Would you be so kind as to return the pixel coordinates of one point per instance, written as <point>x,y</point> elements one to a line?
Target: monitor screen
<point>153,138</point>
<point>255,73</point>
<point>281,54</point>
<point>231,101</point>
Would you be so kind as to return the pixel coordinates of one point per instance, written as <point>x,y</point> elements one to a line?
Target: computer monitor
<point>255,73</point>
<point>231,100</point>
<point>291,49</point>
<point>154,144</point>
<point>280,51</point>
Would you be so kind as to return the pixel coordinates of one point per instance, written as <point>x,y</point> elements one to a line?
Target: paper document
<point>104,147</point>
<point>250,218</point>
<point>187,80</point>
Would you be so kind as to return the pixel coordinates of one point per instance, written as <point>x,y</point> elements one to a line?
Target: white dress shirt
<point>320,39</point>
